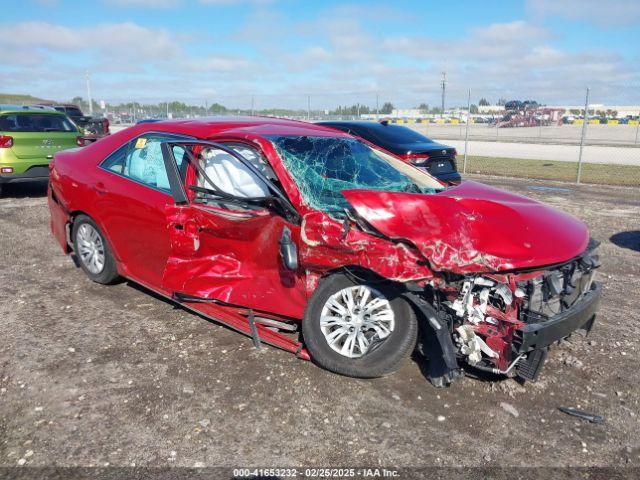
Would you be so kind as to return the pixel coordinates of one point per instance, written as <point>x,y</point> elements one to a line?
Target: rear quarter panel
<point>73,174</point>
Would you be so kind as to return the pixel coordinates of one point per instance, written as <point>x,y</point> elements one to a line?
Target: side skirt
<point>237,318</point>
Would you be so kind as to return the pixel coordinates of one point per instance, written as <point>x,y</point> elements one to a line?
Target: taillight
<point>6,170</point>
<point>6,141</point>
<point>83,141</point>
<point>418,158</point>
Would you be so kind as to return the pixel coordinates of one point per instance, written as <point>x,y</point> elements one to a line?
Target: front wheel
<point>358,329</point>
<point>92,251</point>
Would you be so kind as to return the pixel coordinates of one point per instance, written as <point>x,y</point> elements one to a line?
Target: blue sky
<point>281,51</point>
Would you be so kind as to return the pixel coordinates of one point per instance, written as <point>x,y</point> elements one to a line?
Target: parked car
<point>149,120</point>
<point>28,139</point>
<point>411,146</point>
<point>92,127</point>
<point>305,238</point>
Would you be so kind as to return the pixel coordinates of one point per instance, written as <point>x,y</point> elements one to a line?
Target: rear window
<point>35,122</point>
<point>391,134</point>
<point>73,111</point>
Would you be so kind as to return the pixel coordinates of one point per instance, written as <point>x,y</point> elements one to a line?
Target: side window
<point>182,160</point>
<point>117,160</point>
<point>256,159</point>
<point>145,163</point>
<point>141,160</point>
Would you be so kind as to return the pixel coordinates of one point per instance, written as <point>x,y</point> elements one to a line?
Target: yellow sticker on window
<point>141,142</point>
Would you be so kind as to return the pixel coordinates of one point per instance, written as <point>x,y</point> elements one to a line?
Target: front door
<point>225,244</point>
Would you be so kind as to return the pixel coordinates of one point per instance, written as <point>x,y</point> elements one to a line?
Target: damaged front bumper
<point>580,316</point>
<point>505,323</point>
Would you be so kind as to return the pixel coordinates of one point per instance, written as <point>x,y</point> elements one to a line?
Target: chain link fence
<point>548,137</point>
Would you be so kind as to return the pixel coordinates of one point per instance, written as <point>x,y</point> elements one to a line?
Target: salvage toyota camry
<point>304,238</point>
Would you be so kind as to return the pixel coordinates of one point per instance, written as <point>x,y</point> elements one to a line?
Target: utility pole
<point>377,109</point>
<point>253,100</point>
<point>309,108</point>
<point>585,122</point>
<point>88,77</point>
<point>466,133</point>
<point>444,88</point>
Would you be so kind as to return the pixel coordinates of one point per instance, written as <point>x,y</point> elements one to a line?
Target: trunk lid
<point>28,145</point>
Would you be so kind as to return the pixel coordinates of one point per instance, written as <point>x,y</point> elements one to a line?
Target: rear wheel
<point>358,329</point>
<point>92,251</point>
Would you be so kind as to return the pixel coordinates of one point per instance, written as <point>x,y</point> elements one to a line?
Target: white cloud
<point>114,40</point>
<point>220,64</point>
<point>604,13</point>
<point>340,57</point>
<point>144,3</point>
<point>39,35</point>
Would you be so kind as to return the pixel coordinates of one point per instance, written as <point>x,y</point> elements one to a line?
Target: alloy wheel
<point>355,319</point>
<point>90,248</point>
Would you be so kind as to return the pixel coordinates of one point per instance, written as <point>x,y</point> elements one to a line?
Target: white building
<point>407,113</point>
<point>489,109</point>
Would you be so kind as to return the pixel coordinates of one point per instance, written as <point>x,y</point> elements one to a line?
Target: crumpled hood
<point>473,227</point>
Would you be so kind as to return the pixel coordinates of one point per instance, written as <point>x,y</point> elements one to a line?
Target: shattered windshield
<point>324,166</point>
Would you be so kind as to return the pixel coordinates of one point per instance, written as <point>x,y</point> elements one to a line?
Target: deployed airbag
<point>231,176</point>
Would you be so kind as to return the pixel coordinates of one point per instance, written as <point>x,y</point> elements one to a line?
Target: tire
<point>381,358</point>
<point>104,272</point>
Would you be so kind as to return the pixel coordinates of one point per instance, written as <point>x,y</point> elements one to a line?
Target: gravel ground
<point>93,375</point>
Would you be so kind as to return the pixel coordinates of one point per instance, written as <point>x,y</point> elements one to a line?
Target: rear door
<point>225,243</point>
<point>132,198</point>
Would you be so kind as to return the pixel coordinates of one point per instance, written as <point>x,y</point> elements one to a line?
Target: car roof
<point>28,109</point>
<point>54,104</point>
<point>353,123</point>
<point>209,126</point>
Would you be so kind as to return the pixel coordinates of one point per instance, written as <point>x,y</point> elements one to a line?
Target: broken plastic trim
<point>444,369</point>
<point>590,417</point>
<point>251,325</point>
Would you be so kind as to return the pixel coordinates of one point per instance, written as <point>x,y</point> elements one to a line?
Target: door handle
<point>99,188</point>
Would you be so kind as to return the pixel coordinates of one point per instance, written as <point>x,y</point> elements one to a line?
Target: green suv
<point>29,137</point>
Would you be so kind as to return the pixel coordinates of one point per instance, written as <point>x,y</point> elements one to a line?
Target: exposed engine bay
<point>494,317</point>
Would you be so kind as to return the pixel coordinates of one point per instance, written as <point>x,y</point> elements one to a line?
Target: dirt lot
<point>93,375</point>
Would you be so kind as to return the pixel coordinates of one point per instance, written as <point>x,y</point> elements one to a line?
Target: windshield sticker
<point>141,142</point>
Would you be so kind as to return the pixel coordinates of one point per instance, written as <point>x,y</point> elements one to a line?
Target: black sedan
<point>439,160</point>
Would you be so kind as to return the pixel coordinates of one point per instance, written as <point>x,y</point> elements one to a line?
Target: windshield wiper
<point>412,188</point>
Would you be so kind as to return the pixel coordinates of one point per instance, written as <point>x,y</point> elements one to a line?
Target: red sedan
<point>309,240</point>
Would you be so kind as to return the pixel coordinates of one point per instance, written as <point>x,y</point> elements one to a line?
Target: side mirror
<point>288,250</point>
